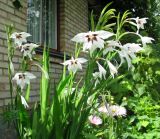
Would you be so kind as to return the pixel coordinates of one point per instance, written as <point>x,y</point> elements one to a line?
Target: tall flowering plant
<point>77,103</point>
<point>20,80</point>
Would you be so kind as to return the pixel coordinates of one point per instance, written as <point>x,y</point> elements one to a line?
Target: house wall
<point>73,18</point>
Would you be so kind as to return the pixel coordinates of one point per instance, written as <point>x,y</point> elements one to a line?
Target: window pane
<point>52,29</point>
<point>33,20</point>
<point>42,21</point>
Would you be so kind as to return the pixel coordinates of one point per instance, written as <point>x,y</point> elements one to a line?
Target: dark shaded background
<point>139,8</point>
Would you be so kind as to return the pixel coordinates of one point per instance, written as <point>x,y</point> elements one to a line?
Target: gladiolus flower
<point>102,71</point>
<point>146,40</point>
<point>92,40</point>
<point>100,74</point>
<point>96,76</point>
<point>133,47</point>
<point>74,64</point>
<point>23,78</point>
<point>112,68</point>
<point>20,38</point>
<point>28,49</point>
<point>139,23</point>
<point>128,52</point>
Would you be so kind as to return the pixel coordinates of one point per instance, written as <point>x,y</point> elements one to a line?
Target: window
<point>42,22</point>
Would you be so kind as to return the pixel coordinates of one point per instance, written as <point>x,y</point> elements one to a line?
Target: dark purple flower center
<point>73,62</point>
<point>19,36</point>
<point>139,22</point>
<point>21,76</point>
<point>92,37</point>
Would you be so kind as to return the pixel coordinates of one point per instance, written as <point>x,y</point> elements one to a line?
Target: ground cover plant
<point>112,100</point>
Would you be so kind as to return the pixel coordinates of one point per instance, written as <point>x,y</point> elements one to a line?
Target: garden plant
<point>101,104</point>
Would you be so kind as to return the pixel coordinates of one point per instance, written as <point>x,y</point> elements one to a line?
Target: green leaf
<point>57,116</point>
<point>44,86</point>
<point>28,92</point>
<point>35,124</point>
<point>144,123</point>
<point>90,136</point>
<point>132,119</point>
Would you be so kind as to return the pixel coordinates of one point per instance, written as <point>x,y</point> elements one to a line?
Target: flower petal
<point>67,62</point>
<point>25,34</point>
<point>79,37</point>
<point>24,102</point>
<point>81,60</point>
<point>146,40</point>
<point>99,43</point>
<point>95,120</point>
<point>79,66</point>
<point>112,68</point>
<point>133,47</point>
<point>87,46</point>
<point>104,34</point>
<point>29,75</point>
<point>102,71</point>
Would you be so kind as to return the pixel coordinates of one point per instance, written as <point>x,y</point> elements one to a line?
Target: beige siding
<point>74,19</point>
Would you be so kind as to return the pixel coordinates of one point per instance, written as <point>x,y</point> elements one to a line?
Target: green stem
<point>111,130</point>
<point>9,42</point>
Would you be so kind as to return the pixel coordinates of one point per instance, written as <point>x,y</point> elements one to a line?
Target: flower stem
<point>10,55</point>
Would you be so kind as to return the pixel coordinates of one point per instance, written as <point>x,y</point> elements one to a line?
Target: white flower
<point>20,38</point>
<point>103,109</point>
<point>74,64</point>
<point>112,68</point>
<point>116,110</point>
<point>110,46</point>
<point>95,120</point>
<point>24,102</point>
<point>100,74</point>
<point>92,40</point>
<point>128,52</point>
<point>124,55</point>
<point>113,110</point>
<point>146,40</point>
<point>96,76</point>
<point>133,47</point>
<point>23,78</point>
<point>28,49</point>
<point>139,23</point>
<point>102,71</point>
